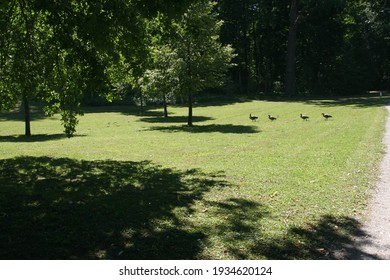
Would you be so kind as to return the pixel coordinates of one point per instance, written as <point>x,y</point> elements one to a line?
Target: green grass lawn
<point>144,187</point>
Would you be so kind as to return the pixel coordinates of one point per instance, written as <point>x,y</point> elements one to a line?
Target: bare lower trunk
<point>189,109</point>
<point>165,106</point>
<point>240,80</point>
<point>27,118</point>
<point>290,84</point>
<point>142,104</point>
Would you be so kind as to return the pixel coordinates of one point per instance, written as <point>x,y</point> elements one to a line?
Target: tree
<point>45,59</point>
<point>238,18</point>
<point>308,46</point>
<point>257,30</point>
<point>291,49</point>
<point>342,47</point>
<point>203,60</point>
<point>162,80</point>
<point>159,78</point>
<point>186,56</point>
<point>20,69</point>
<point>57,51</point>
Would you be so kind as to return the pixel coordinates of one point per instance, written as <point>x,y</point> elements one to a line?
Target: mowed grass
<point>143,187</point>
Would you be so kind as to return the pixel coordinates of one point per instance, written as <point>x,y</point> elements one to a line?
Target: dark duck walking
<point>304,117</point>
<point>253,118</point>
<point>326,116</point>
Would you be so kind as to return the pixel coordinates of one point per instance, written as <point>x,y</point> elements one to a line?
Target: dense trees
<point>185,55</point>
<point>309,47</point>
<point>291,48</point>
<point>56,51</point>
<point>61,50</point>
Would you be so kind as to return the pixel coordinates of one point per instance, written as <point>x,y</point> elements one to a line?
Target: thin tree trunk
<point>27,118</point>
<point>290,84</point>
<point>240,82</point>
<point>165,106</point>
<point>256,54</point>
<point>142,103</point>
<point>189,73</point>
<point>29,26</point>
<point>189,109</point>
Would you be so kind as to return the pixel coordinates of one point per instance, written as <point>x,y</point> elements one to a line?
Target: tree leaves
<point>57,51</point>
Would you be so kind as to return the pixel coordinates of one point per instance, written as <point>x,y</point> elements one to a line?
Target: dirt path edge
<point>375,244</point>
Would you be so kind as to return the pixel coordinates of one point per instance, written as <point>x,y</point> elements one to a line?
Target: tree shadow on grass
<point>35,138</point>
<point>354,101</point>
<point>358,102</point>
<point>331,238</point>
<point>129,110</point>
<point>68,209</point>
<point>239,231</point>
<point>174,119</point>
<point>220,128</point>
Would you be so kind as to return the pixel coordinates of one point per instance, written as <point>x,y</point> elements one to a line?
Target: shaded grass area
<point>363,101</point>
<point>32,138</point>
<point>220,128</point>
<point>69,209</point>
<point>64,208</point>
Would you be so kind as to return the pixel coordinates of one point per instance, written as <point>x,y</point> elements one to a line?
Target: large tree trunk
<point>189,109</point>
<point>27,118</point>
<point>290,84</point>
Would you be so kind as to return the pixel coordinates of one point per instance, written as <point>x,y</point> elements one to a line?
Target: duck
<point>326,116</point>
<point>253,118</point>
<point>272,118</point>
<point>304,117</point>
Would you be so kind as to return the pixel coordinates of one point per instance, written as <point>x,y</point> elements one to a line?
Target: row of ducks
<point>304,117</point>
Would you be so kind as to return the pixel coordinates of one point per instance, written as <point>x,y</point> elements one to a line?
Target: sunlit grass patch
<point>145,187</point>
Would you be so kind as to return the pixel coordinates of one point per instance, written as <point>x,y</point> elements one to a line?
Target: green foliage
<point>162,79</point>
<point>69,122</point>
<point>59,51</point>
<point>159,78</point>
<point>204,59</point>
<point>185,55</point>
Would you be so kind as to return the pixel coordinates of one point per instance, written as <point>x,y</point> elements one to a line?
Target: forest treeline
<point>63,52</point>
<point>341,46</point>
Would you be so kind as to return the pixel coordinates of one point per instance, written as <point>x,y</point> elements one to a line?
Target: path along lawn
<point>144,187</point>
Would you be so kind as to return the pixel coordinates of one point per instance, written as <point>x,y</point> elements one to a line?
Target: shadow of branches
<point>35,138</point>
<point>220,128</point>
<point>174,119</point>
<point>331,238</point>
<point>359,102</point>
<point>68,209</point>
<point>244,235</point>
<point>61,208</point>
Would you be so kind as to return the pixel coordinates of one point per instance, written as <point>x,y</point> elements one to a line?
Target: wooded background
<point>65,52</point>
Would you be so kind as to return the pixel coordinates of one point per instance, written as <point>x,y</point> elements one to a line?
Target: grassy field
<point>144,187</point>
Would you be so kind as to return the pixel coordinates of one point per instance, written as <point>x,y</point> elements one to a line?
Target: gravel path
<point>375,243</point>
